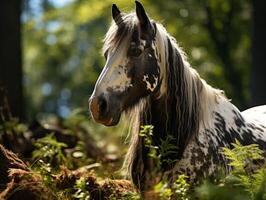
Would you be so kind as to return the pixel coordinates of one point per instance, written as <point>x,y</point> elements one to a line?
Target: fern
<point>161,152</point>
<point>49,150</point>
<point>242,159</point>
<point>166,149</point>
<point>147,132</point>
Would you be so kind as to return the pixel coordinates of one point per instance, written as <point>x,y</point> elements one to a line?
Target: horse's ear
<point>142,16</point>
<point>116,13</point>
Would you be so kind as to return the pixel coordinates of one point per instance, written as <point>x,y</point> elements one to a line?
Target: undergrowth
<point>48,149</point>
<point>51,161</point>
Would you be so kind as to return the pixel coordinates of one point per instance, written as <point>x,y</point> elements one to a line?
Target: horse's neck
<point>217,115</point>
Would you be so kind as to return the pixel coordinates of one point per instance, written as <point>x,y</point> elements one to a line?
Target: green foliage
<point>242,157</point>
<point>178,190</point>
<point>244,173</point>
<point>167,148</point>
<point>131,196</point>
<point>245,181</point>
<point>146,132</point>
<point>209,191</point>
<point>45,170</point>
<point>81,190</point>
<point>158,153</point>
<point>49,150</point>
<point>164,191</point>
<point>13,126</point>
<point>181,188</point>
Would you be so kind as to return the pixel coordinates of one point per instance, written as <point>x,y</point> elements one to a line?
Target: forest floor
<point>19,181</point>
<point>76,159</point>
<point>62,159</point>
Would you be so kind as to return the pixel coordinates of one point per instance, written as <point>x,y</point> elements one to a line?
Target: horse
<point>148,77</point>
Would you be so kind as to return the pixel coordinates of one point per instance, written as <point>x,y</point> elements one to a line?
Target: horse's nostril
<point>98,107</point>
<point>102,105</point>
<point>94,107</point>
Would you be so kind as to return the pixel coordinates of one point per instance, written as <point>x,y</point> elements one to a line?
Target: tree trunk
<point>258,71</point>
<point>10,56</point>
<point>223,42</point>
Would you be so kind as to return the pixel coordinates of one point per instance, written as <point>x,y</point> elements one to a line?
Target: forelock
<point>119,31</point>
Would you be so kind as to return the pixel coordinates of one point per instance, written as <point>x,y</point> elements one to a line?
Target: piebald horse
<point>148,77</point>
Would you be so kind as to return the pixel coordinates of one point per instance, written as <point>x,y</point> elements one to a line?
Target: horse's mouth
<point>107,120</point>
<point>112,121</point>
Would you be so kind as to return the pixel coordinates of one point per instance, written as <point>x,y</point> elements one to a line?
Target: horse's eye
<point>135,52</point>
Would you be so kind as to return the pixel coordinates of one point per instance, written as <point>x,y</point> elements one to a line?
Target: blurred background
<point>50,58</point>
<point>50,50</point>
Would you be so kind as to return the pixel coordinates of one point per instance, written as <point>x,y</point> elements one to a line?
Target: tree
<point>214,34</point>
<point>222,32</point>
<point>258,71</point>
<point>10,56</point>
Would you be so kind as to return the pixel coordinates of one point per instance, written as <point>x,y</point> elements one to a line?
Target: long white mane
<point>198,118</point>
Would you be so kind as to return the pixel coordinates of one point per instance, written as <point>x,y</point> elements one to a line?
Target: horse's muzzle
<point>103,111</point>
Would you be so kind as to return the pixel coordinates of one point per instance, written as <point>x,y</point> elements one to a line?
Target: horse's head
<point>132,67</point>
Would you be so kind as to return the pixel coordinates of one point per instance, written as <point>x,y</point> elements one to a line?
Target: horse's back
<point>256,114</point>
<point>256,122</point>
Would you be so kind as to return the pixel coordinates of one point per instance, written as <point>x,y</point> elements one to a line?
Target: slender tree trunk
<point>258,71</point>
<point>10,56</point>
<point>223,42</point>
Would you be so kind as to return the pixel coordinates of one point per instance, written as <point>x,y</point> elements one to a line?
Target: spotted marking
<point>202,157</point>
<point>121,81</point>
<point>150,86</point>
